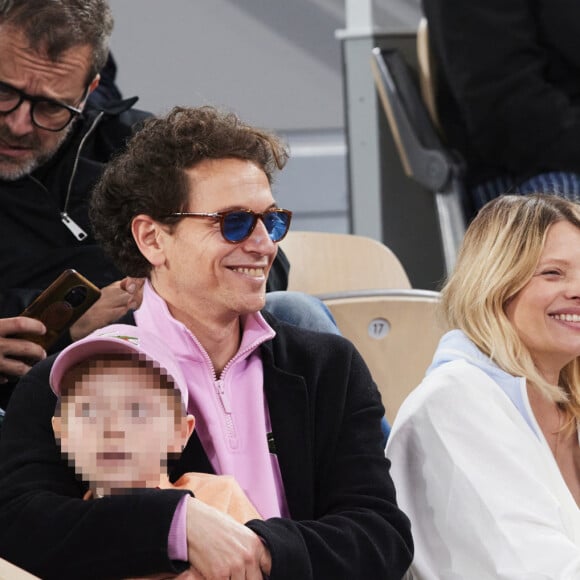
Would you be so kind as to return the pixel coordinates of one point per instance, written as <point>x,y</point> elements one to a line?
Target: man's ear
<point>148,235</point>
<point>94,83</point>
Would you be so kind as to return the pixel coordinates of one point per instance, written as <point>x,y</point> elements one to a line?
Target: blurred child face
<point>118,425</point>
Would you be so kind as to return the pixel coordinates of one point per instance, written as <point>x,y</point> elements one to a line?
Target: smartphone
<point>60,306</point>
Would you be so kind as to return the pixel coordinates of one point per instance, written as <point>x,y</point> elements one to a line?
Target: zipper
<point>219,386</point>
<point>221,395</point>
<point>70,224</point>
<point>228,415</point>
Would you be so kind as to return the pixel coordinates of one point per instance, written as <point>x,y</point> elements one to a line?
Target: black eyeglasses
<point>45,113</point>
<point>237,225</point>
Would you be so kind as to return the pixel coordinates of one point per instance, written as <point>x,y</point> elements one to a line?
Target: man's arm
<point>220,547</point>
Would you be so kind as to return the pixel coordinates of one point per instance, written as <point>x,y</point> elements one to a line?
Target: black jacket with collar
<point>35,246</point>
<point>325,413</point>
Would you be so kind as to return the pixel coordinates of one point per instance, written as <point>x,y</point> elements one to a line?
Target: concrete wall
<point>277,63</point>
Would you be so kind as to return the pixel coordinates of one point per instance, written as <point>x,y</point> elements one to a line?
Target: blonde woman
<point>485,452</point>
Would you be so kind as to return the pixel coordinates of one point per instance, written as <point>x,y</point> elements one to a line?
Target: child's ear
<point>190,422</point>
<point>57,427</point>
<point>184,433</point>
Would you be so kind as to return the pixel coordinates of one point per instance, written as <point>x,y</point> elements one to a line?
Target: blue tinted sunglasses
<point>237,225</point>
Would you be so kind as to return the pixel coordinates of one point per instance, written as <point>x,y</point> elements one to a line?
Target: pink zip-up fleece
<point>232,418</point>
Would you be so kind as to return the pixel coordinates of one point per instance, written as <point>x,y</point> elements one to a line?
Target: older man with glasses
<point>52,151</point>
<point>45,113</point>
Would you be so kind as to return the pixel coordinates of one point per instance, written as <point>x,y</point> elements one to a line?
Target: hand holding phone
<point>60,306</point>
<point>16,354</point>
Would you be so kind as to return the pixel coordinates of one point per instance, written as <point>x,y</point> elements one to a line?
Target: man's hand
<point>116,299</point>
<point>17,354</point>
<point>220,547</point>
<point>133,287</point>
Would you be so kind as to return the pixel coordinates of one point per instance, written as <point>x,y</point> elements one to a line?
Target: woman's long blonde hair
<point>499,255</point>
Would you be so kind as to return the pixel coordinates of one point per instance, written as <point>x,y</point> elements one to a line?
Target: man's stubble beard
<point>12,169</point>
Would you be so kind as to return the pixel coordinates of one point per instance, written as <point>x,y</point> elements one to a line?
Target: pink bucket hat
<point>119,339</point>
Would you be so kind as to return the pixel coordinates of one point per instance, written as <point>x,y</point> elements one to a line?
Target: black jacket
<point>325,413</point>
<point>509,83</point>
<point>36,246</point>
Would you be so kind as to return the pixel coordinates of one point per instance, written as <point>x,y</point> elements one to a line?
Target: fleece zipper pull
<point>73,227</point>
<point>228,418</point>
<point>223,396</point>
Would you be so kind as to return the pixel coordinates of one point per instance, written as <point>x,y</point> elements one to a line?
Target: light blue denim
<point>301,310</point>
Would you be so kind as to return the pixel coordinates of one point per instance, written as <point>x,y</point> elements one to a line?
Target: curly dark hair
<point>149,178</point>
<point>54,26</point>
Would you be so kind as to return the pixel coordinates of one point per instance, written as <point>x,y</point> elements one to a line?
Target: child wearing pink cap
<point>122,412</point>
